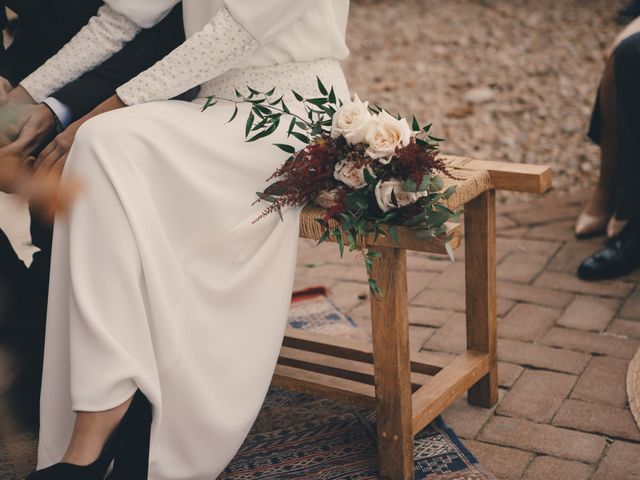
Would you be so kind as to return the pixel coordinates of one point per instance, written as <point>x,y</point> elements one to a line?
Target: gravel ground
<point>501,79</point>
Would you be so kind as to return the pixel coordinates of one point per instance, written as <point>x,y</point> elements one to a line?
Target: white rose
<point>327,198</point>
<point>384,134</point>
<point>350,121</point>
<point>352,176</point>
<point>383,192</point>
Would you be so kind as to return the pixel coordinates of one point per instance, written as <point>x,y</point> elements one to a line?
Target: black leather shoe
<point>619,257</point>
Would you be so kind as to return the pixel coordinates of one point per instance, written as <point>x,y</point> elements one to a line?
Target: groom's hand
<point>5,89</point>
<point>24,129</point>
<point>35,126</point>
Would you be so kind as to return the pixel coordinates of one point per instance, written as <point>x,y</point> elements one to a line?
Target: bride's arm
<point>233,34</point>
<point>104,35</point>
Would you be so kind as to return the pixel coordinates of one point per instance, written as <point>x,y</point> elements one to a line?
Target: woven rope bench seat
<point>471,179</point>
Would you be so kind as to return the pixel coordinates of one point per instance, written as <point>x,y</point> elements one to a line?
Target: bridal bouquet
<point>371,171</point>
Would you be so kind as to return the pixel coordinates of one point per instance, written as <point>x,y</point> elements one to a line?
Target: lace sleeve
<point>104,35</point>
<point>219,47</point>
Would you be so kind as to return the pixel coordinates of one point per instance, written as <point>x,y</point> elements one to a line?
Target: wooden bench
<point>409,390</point>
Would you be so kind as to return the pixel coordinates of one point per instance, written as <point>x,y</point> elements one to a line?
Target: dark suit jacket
<point>146,49</point>
<point>45,26</point>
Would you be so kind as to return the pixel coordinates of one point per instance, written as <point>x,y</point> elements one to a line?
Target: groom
<point>43,27</point>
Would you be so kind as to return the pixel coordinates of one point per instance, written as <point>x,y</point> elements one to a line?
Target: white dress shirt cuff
<point>64,113</point>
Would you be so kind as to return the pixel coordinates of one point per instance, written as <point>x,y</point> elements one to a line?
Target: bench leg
<point>391,361</point>
<point>480,261</point>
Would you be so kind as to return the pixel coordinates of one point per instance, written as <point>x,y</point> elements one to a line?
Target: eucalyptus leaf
<point>285,148</point>
<point>301,137</point>
<point>424,185</point>
<point>415,126</point>
<point>249,124</point>
<point>437,219</point>
<point>235,114</point>
<point>409,186</point>
<point>210,102</point>
<point>340,240</point>
<point>324,237</point>
<point>369,178</point>
<point>393,233</point>
<point>332,96</point>
<point>373,286</point>
<point>449,192</point>
<point>437,183</point>
<point>321,87</point>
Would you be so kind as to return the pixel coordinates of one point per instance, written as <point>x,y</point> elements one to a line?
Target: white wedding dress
<point>160,278</point>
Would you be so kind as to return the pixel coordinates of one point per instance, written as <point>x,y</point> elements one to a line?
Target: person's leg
<point>627,63</point>
<point>90,433</point>
<point>23,291</point>
<point>622,253</point>
<point>13,275</point>
<point>631,10</point>
<point>598,210</point>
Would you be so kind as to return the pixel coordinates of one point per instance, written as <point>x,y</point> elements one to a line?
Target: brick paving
<point>564,345</point>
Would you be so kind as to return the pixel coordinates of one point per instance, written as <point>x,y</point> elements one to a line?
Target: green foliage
<point>361,218</point>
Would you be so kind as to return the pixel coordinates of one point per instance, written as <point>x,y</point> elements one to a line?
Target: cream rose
<point>351,121</point>
<point>384,190</point>
<point>348,173</point>
<point>384,134</point>
<point>327,198</point>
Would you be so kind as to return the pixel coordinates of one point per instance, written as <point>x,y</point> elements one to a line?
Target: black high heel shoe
<point>128,448</point>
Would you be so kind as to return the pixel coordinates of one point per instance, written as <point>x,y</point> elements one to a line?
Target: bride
<point>168,304</point>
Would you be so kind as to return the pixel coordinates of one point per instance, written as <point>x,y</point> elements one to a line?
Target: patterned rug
<point>311,310</point>
<point>304,437</point>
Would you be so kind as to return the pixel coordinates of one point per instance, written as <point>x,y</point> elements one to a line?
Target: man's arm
<point>36,123</point>
<point>92,88</point>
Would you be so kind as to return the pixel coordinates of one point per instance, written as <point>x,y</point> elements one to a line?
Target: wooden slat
<point>407,238</point>
<point>392,365</point>
<point>338,389</point>
<point>443,389</point>
<point>338,367</point>
<point>516,177</point>
<point>480,273</point>
<point>427,363</point>
<point>328,344</point>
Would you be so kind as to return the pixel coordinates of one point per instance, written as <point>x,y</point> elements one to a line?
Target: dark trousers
<point>627,84</point>
<point>22,323</point>
<point>44,26</point>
